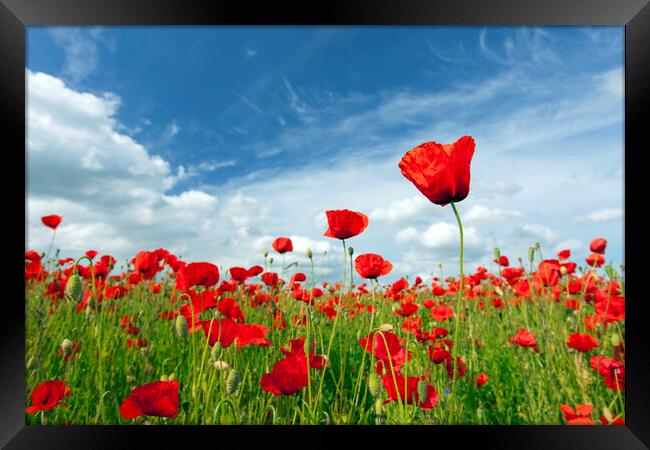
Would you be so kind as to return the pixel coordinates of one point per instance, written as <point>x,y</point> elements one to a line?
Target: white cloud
<point>401,210</point>
<point>602,215</point>
<point>483,214</point>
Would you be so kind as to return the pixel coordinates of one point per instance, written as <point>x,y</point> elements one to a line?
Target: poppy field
<point>167,341</point>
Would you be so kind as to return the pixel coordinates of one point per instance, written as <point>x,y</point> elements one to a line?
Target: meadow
<point>165,341</point>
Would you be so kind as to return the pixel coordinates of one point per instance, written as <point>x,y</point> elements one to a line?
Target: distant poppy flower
<point>503,261</point>
<point>442,313</point>
<point>270,278</point>
<point>440,171</point>
<point>578,417</point>
<point>598,245</point>
<point>401,386</point>
<point>372,266</point>
<point>582,342</point>
<point>595,260</point>
<point>52,221</point>
<point>159,398</point>
<point>91,254</point>
<point>548,272</point>
<point>344,224</point>
<point>47,395</point>
<point>564,254</point>
<point>524,339</point>
<point>282,245</point>
<point>390,351</point>
<point>146,264</point>
<point>612,370</point>
<point>197,274</point>
<point>225,331</point>
<point>481,379</point>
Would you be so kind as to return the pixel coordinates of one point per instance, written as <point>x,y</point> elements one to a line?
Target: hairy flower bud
<point>232,382</point>
<point>422,390</point>
<point>215,353</point>
<point>181,327</point>
<point>66,346</point>
<point>379,408</point>
<point>374,384</point>
<point>350,251</point>
<point>271,260</point>
<point>497,253</point>
<point>74,289</point>
<point>309,253</point>
<point>531,254</point>
<point>266,253</point>
<point>385,328</point>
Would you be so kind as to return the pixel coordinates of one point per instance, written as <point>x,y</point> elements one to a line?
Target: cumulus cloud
<point>601,215</point>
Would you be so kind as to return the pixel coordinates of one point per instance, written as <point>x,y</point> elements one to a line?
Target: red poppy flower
<point>582,342</point>
<point>289,375</point>
<point>230,309</point>
<point>159,398</point>
<point>503,261</point>
<point>225,331</point>
<point>390,352</point>
<point>564,254</point>
<point>372,266</point>
<point>512,273</point>
<point>91,254</point>
<point>47,395</point>
<point>344,224</point>
<point>146,264</point>
<point>615,421</point>
<point>52,221</point>
<point>270,278</point>
<point>595,260</point>
<point>282,245</point>
<point>481,379</point>
<point>598,245</point>
<point>578,417</point>
<point>611,369</point>
<point>401,386</point>
<point>524,339</point>
<point>440,171</point>
<point>441,313</point>
<point>197,274</point>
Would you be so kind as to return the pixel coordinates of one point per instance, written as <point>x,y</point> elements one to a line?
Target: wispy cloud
<point>81,48</point>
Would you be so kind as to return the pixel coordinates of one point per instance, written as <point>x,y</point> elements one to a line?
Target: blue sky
<point>211,141</point>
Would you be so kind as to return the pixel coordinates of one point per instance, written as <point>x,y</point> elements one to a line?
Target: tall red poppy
<point>159,398</point>
<point>195,274</point>
<point>47,395</point>
<point>372,266</point>
<point>598,245</point>
<point>52,221</point>
<point>146,264</point>
<point>564,254</point>
<point>578,417</point>
<point>344,224</point>
<point>440,171</point>
<point>595,260</point>
<point>282,245</point>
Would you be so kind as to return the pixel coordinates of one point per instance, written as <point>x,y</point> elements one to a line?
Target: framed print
<point>412,219</point>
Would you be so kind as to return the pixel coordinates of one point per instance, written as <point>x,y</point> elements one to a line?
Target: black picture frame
<point>634,15</point>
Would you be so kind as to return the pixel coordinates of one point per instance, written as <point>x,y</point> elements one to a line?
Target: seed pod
<point>220,365</point>
<point>309,253</point>
<point>531,254</point>
<point>66,346</point>
<point>563,270</point>
<point>181,327</point>
<point>374,385</point>
<point>271,260</point>
<point>74,289</point>
<point>215,353</point>
<point>350,251</point>
<point>232,382</point>
<point>422,390</point>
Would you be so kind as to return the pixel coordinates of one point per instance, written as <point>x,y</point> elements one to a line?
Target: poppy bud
<point>232,382</point>
<point>266,253</point>
<point>181,327</point>
<point>385,328</point>
<point>422,390</point>
<point>607,414</point>
<point>220,365</point>
<point>531,254</point>
<point>66,346</point>
<point>32,363</point>
<point>271,260</point>
<point>537,246</point>
<point>164,378</point>
<point>74,289</point>
<point>350,251</point>
<point>374,385</point>
<point>309,253</point>
<point>615,340</point>
<point>172,377</point>
<point>498,290</point>
<point>216,351</point>
<point>497,253</point>
<point>379,408</point>
<point>563,270</point>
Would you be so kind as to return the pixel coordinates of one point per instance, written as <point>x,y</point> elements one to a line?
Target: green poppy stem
<point>458,313</point>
